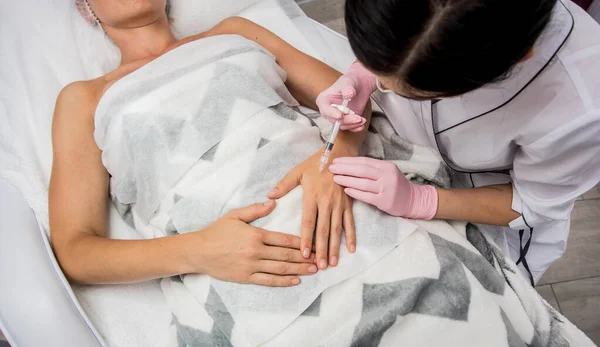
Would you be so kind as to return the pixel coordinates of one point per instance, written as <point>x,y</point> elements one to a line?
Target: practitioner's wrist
<point>424,202</point>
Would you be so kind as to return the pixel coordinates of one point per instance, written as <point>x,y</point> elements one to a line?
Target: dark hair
<point>445,47</point>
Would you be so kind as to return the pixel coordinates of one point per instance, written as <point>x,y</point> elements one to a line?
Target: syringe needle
<point>336,128</point>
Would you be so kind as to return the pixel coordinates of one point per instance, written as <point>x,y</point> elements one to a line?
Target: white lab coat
<point>539,129</point>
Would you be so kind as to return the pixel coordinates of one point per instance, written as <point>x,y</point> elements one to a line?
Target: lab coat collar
<point>453,112</point>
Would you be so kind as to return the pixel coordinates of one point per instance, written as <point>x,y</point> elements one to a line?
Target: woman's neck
<point>143,42</point>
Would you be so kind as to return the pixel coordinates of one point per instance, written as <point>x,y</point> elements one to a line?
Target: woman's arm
<point>486,205</point>
<point>381,183</point>
<point>78,203</point>
<point>306,76</point>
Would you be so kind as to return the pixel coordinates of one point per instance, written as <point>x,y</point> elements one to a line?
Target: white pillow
<point>189,17</point>
<point>195,16</point>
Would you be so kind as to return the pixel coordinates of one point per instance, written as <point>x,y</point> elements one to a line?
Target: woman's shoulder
<point>77,101</point>
<point>584,37</point>
<point>79,89</point>
<point>79,95</point>
<point>580,55</point>
<point>91,90</point>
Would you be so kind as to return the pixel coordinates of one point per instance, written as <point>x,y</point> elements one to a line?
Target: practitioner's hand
<point>232,250</point>
<point>357,84</point>
<point>324,206</point>
<point>382,184</point>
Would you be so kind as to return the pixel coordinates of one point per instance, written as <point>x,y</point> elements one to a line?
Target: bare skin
<point>229,249</point>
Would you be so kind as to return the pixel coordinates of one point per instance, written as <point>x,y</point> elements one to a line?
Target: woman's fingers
<point>350,230</point>
<point>322,233</point>
<point>335,236</point>
<point>332,114</point>
<point>369,198</point>
<point>282,268</point>
<point>324,101</point>
<point>352,128</point>
<point>253,212</point>
<point>353,122</point>
<point>353,119</point>
<point>269,280</point>
<point>366,185</point>
<point>285,254</point>
<point>354,169</point>
<point>348,91</point>
<point>289,182</point>
<point>272,238</point>
<point>309,220</point>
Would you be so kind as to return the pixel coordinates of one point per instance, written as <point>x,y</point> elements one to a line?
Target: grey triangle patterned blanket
<point>210,127</point>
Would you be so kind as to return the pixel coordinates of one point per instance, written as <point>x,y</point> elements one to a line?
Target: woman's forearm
<point>90,259</point>
<point>307,77</point>
<point>486,205</point>
<point>347,143</point>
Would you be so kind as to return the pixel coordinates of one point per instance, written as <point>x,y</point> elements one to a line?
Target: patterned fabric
<point>206,129</point>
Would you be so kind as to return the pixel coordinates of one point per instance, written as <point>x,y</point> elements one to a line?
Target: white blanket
<point>205,129</point>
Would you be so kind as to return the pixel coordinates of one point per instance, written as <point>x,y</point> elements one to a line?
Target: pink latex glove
<point>357,84</point>
<point>382,184</point>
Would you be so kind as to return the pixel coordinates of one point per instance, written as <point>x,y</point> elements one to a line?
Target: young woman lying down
<point>229,249</point>
<point>188,138</point>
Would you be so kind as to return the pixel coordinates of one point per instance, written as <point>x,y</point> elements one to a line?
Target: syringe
<point>336,129</point>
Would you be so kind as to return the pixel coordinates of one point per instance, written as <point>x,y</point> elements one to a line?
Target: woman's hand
<point>382,184</point>
<point>235,251</point>
<point>324,206</point>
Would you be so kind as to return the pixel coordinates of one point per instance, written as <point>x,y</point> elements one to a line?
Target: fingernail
<point>295,281</point>
<point>306,253</point>
<point>268,203</point>
<point>333,261</point>
<point>323,264</point>
<point>274,191</point>
<point>312,269</point>
<point>352,248</point>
